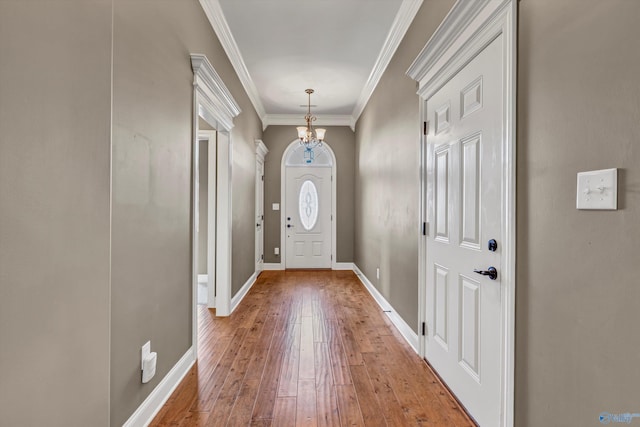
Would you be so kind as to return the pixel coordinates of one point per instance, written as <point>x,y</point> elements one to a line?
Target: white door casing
<point>212,206</point>
<point>293,156</point>
<point>261,152</point>
<point>213,102</point>
<point>467,198</point>
<point>211,139</point>
<point>308,217</point>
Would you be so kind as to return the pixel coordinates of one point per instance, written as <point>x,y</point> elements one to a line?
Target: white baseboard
<point>203,278</point>
<point>336,266</point>
<point>405,330</point>
<point>143,416</point>
<point>342,266</point>
<point>237,298</point>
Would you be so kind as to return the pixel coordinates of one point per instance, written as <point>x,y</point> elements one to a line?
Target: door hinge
<point>331,257</point>
<point>262,257</point>
<point>262,177</point>
<point>424,328</point>
<point>262,217</point>
<point>425,127</point>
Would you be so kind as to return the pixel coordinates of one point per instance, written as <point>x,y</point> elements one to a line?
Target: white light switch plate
<point>275,206</point>
<point>597,190</point>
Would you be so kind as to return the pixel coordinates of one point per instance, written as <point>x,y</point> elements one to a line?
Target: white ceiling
<point>340,48</point>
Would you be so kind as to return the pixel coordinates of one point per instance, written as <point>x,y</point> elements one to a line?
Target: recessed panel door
<point>308,217</point>
<point>464,205</point>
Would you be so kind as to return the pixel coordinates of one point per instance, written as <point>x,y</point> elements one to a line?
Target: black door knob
<point>493,245</point>
<point>491,272</point>
<point>289,225</point>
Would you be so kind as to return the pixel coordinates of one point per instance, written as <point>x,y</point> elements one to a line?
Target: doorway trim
<point>210,137</point>
<point>283,201</point>
<point>261,153</point>
<point>466,30</point>
<point>214,103</point>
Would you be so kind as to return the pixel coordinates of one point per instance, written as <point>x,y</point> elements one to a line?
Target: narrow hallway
<point>307,348</point>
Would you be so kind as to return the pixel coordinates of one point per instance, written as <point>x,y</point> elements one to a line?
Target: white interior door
<point>259,253</point>
<point>308,217</point>
<point>464,204</point>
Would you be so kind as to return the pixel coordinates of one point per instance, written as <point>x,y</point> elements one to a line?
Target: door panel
<point>464,184</point>
<point>469,324</point>
<point>470,192</point>
<point>308,217</point>
<point>442,194</point>
<point>442,306</point>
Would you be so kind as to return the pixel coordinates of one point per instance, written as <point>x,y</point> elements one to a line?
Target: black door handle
<point>289,225</point>
<point>491,272</point>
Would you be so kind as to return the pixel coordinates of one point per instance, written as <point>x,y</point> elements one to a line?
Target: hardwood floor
<point>307,348</point>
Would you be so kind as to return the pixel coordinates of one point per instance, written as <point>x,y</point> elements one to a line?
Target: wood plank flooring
<point>307,348</point>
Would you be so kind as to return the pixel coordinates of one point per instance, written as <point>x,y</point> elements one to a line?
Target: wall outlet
<point>147,362</point>
<point>276,251</point>
<point>378,273</point>
<point>145,352</point>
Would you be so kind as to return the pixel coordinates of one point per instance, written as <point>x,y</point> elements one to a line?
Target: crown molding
<point>406,13</point>
<point>219,24</point>
<point>298,120</point>
<point>404,18</point>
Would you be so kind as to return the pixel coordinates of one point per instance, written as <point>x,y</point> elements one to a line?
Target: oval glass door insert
<point>308,210</point>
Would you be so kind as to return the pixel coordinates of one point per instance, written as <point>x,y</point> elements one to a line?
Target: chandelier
<point>310,137</point>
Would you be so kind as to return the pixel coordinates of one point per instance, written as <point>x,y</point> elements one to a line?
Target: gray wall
<point>578,110</point>
<point>388,176</point>
<point>342,142</point>
<point>54,212</point>
<point>203,211</point>
<point>244,197</point>
<point>71,339</point>
<point>152,111</point>
<point>577,290</point>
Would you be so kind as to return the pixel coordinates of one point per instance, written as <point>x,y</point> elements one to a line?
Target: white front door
<point>308,217</point>
<point>464,205</point>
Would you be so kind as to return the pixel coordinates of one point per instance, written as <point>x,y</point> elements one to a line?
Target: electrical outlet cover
<point>145,352</point>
